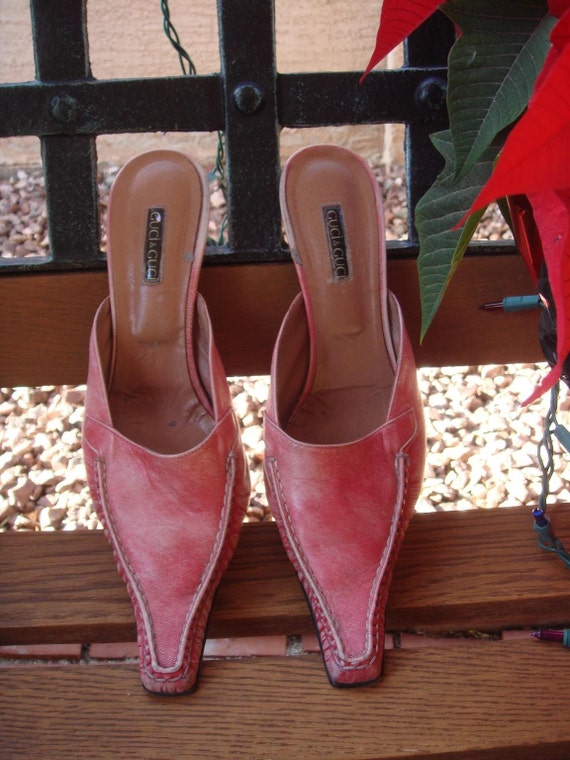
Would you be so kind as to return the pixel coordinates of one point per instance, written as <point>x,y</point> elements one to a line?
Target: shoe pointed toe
<point>342,512</point>
<point>173,532</point>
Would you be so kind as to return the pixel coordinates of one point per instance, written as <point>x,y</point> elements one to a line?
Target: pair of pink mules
<point>344,428</point>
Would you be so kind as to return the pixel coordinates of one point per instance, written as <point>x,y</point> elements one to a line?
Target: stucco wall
<point>126,39</point>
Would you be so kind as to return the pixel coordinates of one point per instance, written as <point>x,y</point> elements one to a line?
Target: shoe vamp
<point>342,508</point>
<point>167,517</point>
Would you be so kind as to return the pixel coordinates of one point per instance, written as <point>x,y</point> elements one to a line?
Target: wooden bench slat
<point>493,700</point>
<point>247,303</point>
<point>64,587</point>
<point>457,570</point>
<point>60,587</point>
<point>479,569</point>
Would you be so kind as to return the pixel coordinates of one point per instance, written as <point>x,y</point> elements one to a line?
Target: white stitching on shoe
<point>317,597</point>
<point>132,579</point>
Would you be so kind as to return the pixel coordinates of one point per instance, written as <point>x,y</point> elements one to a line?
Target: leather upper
<point>172,520</point>
<point>343,508</point>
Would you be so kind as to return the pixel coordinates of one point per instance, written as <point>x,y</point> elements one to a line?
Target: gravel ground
<point>481,442</point>
<point>481,446</point>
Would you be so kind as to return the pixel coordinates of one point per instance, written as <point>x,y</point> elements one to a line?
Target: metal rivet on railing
<point>431,93</point>
<point>64,108</point>
<point>249,98</point>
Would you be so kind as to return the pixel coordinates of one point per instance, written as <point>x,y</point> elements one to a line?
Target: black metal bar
<point>247,51</point>
<point>59,30</point>
<point>194,104</point>
<point>72,200</point>
<point>70,163</point>
<point>313,100</point>
<point>427,47</point>
<point>169,104</point>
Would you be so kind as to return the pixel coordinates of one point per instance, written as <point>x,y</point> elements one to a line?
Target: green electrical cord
<point>552,429</point>
<point>189,69</point>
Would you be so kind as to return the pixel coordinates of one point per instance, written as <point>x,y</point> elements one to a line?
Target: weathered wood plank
<point>479,569</point>
<point>46,318</point>
<point>457,571</point>
<point>454,703</point>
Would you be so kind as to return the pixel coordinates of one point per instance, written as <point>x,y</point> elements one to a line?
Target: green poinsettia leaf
<point>437,212</point>
<point>492,69</point>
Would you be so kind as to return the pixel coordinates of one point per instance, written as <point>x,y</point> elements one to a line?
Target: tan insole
<point>155,230</point>
<point>331,217</point>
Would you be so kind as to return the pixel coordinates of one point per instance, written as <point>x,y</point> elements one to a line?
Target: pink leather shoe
<point>344,428</point>
<point>164,458</point>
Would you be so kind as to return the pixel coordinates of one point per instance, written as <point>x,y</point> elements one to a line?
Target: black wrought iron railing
<point>248,100</point>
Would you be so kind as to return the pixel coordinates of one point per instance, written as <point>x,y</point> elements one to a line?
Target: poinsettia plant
<point>508,99</point>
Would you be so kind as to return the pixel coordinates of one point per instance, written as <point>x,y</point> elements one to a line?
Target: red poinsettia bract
<point>536,161</point>
<point>398,19</point>
<point>551,214</point>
